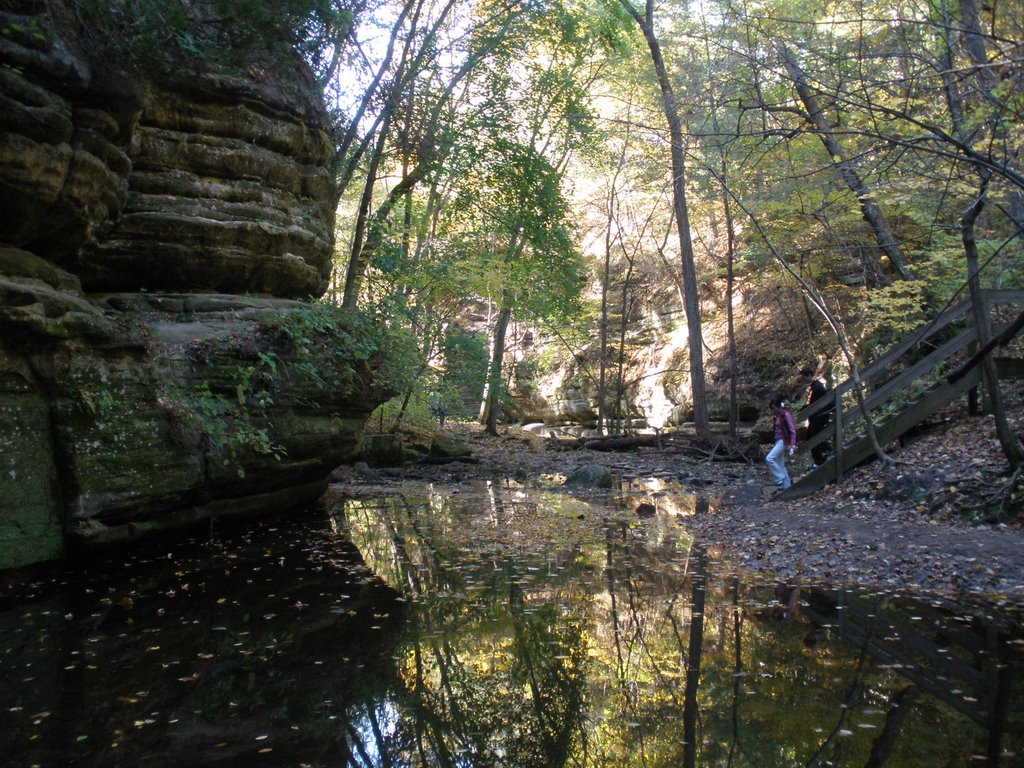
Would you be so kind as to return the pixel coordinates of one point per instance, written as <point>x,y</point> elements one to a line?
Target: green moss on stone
<point>29,528</point>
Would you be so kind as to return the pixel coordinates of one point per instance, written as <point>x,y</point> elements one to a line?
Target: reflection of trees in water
<point>613,647</point>
<point>512,644</point>
<point>902,671</point>
<point>494,677</point>
<point>656,641</point>
<point>965,663</point>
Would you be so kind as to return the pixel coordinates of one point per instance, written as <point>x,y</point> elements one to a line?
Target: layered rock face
<point>203,181</point>
<point>228,190</point>
<point>155,366</point>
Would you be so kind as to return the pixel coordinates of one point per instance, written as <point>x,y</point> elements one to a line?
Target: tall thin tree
<point>691,290</point>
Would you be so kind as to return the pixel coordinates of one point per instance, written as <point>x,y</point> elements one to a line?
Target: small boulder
<point>445,446</point>
<point>590,476</point>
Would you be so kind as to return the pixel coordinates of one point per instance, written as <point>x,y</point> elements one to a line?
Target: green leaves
<point>161,34</point>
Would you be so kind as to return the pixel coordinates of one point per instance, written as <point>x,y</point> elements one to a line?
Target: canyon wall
<point>160,239</point>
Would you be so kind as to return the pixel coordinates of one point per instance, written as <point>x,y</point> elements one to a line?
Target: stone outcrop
<point>156,367</point>
<point>566,402</point>
<point>205,181</point>
<point>243,186</point>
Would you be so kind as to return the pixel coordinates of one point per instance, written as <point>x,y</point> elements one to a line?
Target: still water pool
<point>488,625</point>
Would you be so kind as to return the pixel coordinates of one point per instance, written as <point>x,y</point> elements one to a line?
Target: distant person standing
<point>785,443</point>
<point>818,421</point>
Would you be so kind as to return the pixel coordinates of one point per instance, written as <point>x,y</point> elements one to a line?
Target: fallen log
<point>719,449</point>
<point>623,443</point>
<point>448,460</point>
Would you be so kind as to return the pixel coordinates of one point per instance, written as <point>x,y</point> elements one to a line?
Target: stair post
<point>837,443</point>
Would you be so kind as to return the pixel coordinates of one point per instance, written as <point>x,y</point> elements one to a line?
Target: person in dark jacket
<point>785,443</point>
<point>817,422</point>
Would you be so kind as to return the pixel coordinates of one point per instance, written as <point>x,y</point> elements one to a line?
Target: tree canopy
<point>521,166</point>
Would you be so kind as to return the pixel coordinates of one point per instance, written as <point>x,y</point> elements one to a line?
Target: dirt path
<point>870,542</point>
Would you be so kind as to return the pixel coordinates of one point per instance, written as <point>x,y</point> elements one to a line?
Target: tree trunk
<point>868,207</point>
<point>691,290</point>
<point>621,401</point>
<point>602,384</point>
<point>1010,442</point>
<point>730,283</point>
<point>356,263</point>
<point>492,389</point>
<point>407,70</point>
<point>348,169</point>
<point>730,242</point>
<point>364,248</point>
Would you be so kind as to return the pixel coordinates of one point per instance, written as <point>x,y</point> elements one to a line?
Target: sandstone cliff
<point>157,237</point>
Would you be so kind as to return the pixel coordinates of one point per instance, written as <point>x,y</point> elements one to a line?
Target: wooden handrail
<point>887,361</point>
<point>902,380</point>
<point>885,390</point>
<point>921,334</point>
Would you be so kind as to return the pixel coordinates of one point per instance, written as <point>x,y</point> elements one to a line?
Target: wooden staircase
<point>930,360</point>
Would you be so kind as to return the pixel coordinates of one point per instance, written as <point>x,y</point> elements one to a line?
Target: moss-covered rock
<point>30,527</point>
<point>447,446</point>
<point>142,387</point>
<point>184,408</point>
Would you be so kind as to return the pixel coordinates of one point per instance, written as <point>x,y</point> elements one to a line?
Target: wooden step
<point>931,402</point>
